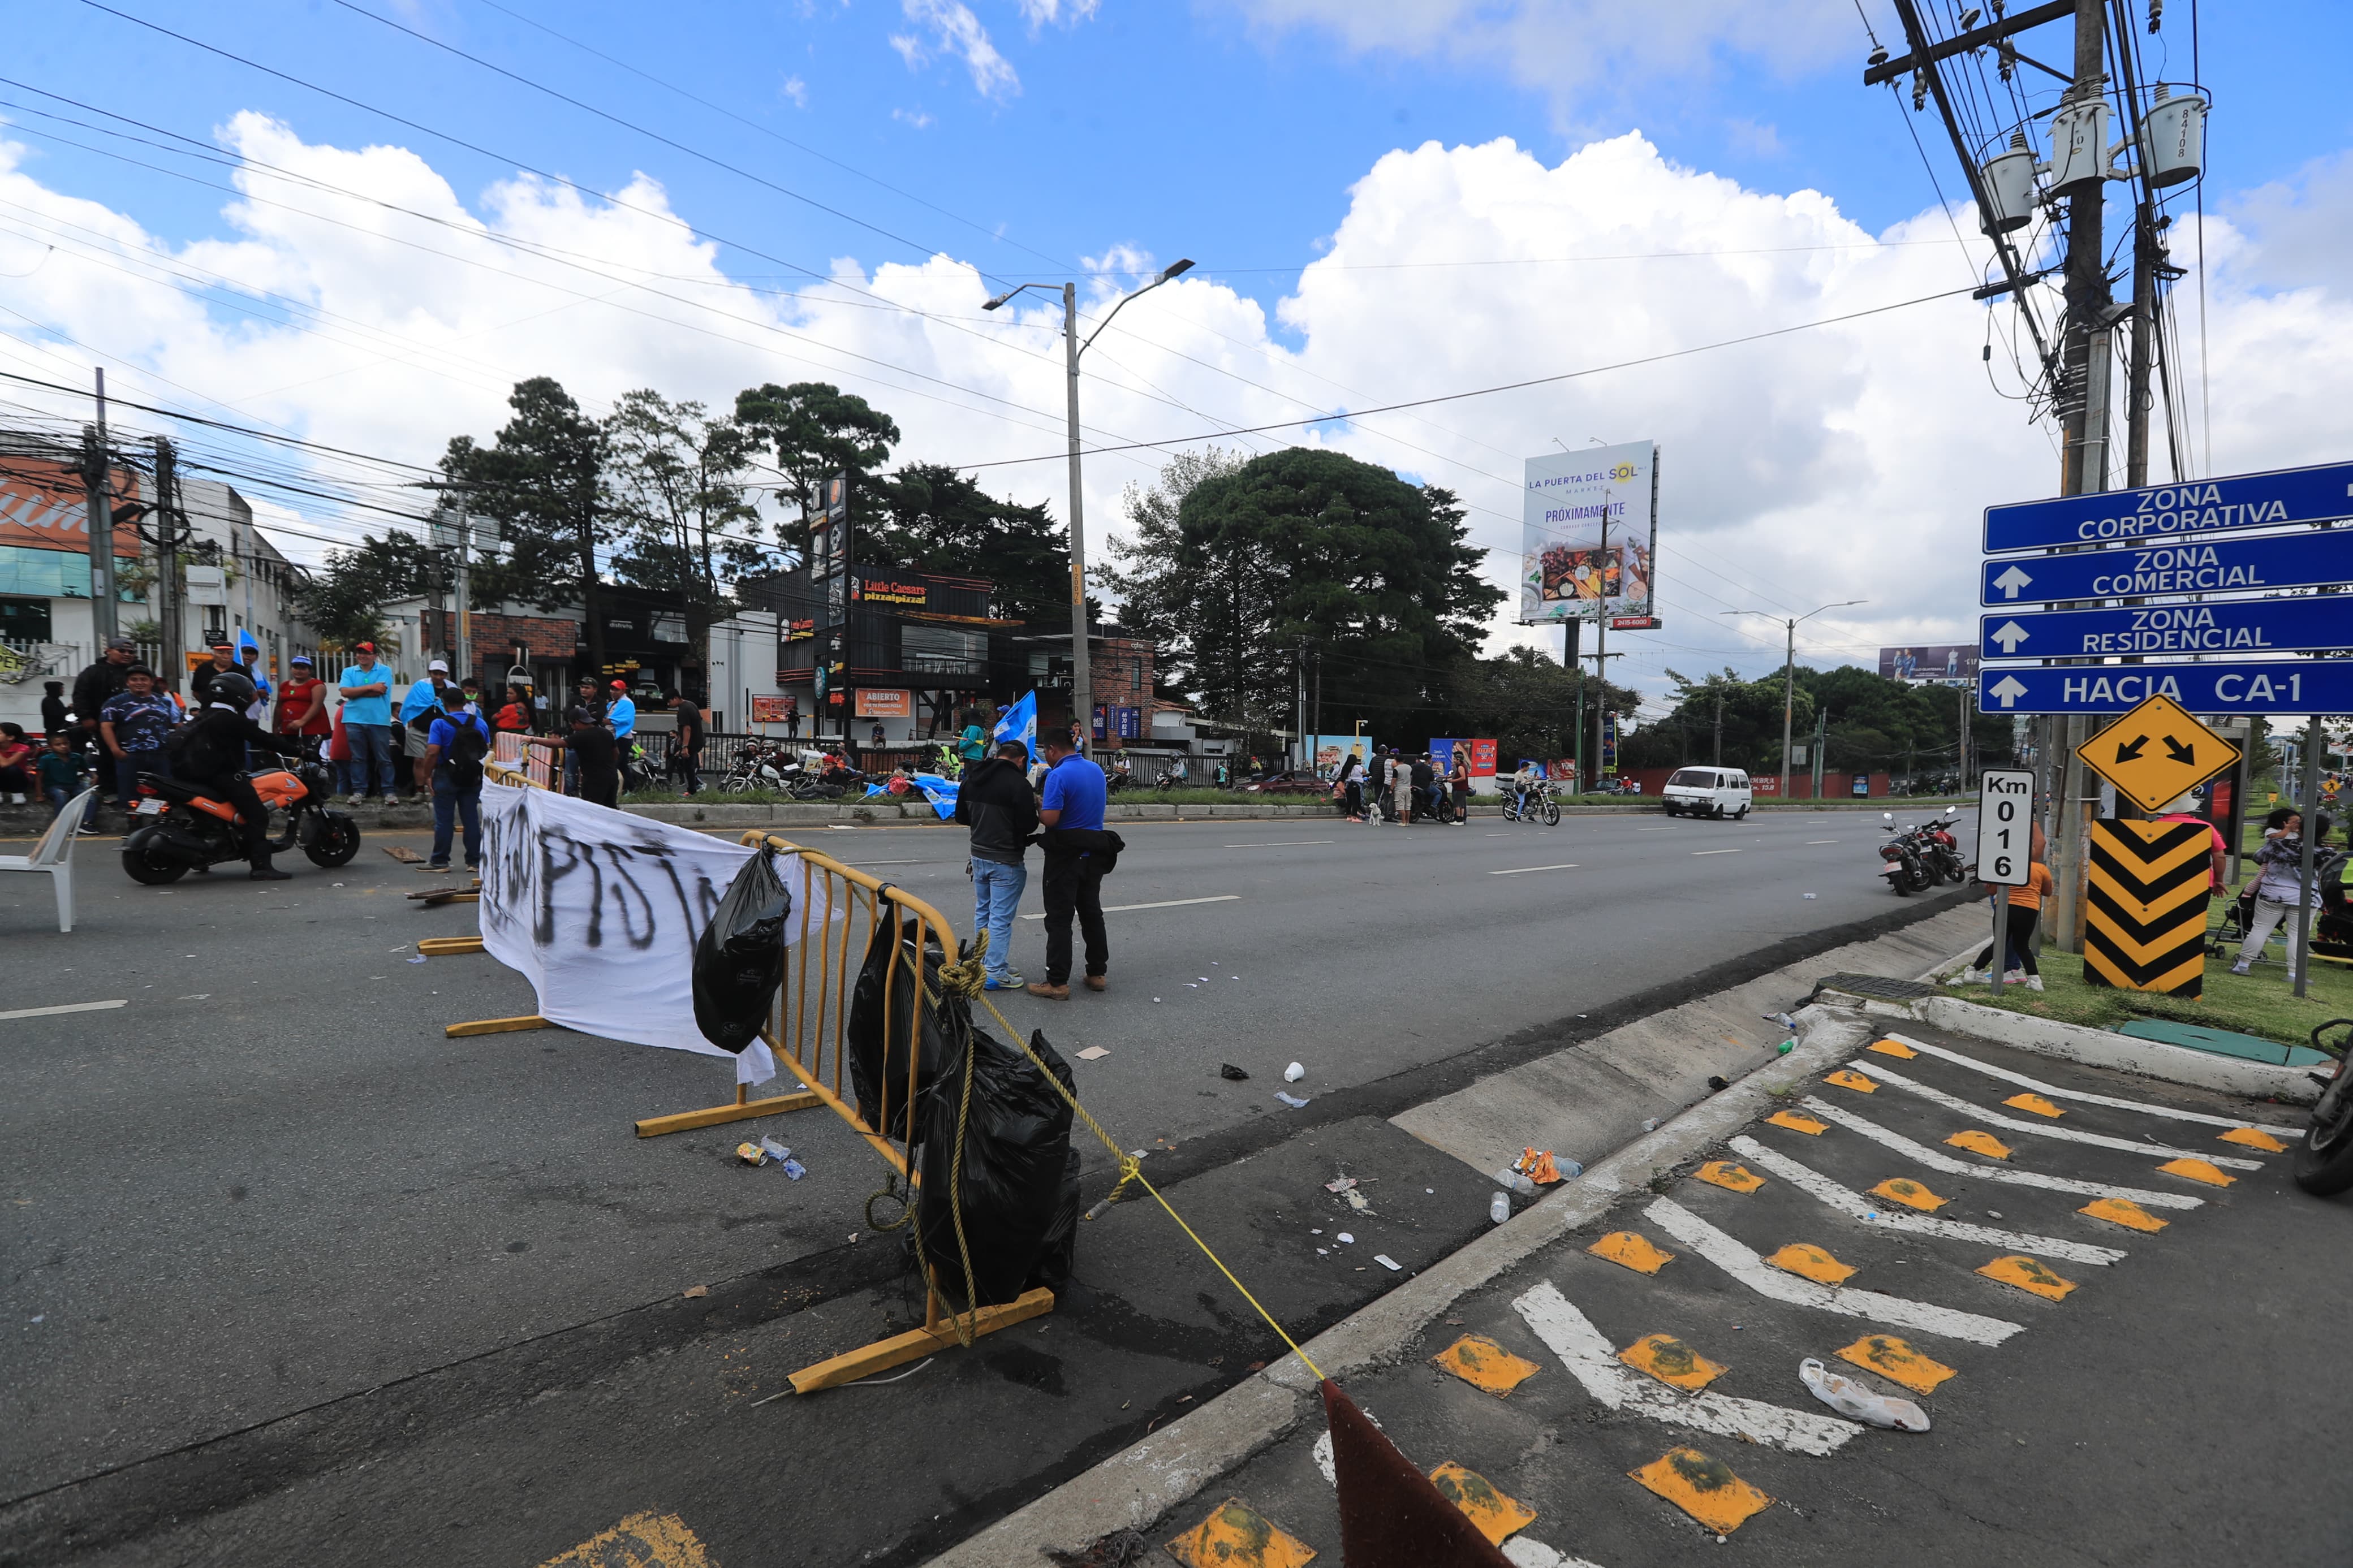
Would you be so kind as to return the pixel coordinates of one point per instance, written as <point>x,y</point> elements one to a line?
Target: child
<point>16,760</point>
<point>62,771</point>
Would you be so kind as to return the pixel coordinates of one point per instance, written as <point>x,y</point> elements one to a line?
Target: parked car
<point>1708,791</point>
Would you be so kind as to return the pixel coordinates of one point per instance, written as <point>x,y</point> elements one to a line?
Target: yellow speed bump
<point>2036,1103</point>
<point>1847,1078</point>
<point>2029,1276</point>
<point>1495,1514</point>
<point>2251,1138</point>
<point>1703,1488</point>
<point>1730,1177</point>
<point>1910,1194</point>
<point>1632,1250</point>
<point>1896,1048</point>
<point>1897,1360</point>
<point>1484,1364</point>
<point>1797,1123</point>
<point>1978,1142</point>
<point>2122,1212</point>
<point>1671,1362</point>
<point>2198,1171</point>
<point>1236,1535</point>
<point>1807,1261</point>
<point>643,1541</point>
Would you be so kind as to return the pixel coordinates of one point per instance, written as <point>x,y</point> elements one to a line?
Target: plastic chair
<point>53,854</point>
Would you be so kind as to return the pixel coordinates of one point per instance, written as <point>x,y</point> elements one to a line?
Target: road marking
<point>1737,1260</point>
<point>1807,1261</point>
<point>1580,1347</point>
<point>2116,1211</point>
<point>1811,842</point>
<point>68,1007</point>
<point>1703,1488</point>
<point>1278,843</point>
<point>1523,871</point>
<point>653,1540</point>
<point>1494,1511</point>
<point>2293,1135</point>
<point>1633,1250</point>
<point>1655,830</point>
<point>1672,1363</point>
<point>1162,904</point>
<point>2029,1276</point>
<point>1717,851</point>
<point>2044,1130</point>
<point>1897,1362</point>
<point>1854,1205</point>
<point>1237,1533</point>
<point>1484,1364</point>
<point>1926,1156</point>
<point>2191,1168</point>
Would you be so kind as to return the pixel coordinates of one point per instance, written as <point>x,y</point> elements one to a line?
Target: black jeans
<point>2020,942</point>
<point>1073,886</point>
<point>238,790</point>
<point>689,767</point>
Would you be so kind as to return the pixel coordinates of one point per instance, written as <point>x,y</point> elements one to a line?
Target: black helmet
<point>228,685</point>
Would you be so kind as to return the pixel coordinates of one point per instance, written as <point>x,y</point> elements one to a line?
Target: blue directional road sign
<point>2234,625</point>
<point>2224,565</point>
<point>2192,508</point>
<point>2274,686</point>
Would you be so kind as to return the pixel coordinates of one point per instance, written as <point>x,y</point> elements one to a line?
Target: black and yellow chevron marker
<point>2146,930</point>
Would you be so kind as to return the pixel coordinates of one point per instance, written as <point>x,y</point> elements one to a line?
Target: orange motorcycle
<point>177,828</point>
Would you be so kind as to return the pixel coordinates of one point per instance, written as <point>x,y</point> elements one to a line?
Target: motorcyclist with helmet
<point>212,754</point>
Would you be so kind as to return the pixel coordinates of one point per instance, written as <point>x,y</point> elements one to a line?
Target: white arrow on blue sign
<point>2308,560</point>
<point>2276,686</point>
<point>2190,509</point>
<point>2322,623</point>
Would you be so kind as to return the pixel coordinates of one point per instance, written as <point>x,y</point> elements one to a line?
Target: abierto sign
<point>1569,569</point>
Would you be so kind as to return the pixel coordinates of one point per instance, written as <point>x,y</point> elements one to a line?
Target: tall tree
<point>544,481</point>
<point>678,483</point>
<point>341,599</point>
<point>1142,568</point>
<point>817,430</point>
<point>933,518</point>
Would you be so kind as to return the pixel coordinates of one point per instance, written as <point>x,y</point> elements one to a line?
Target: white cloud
<point>915,116</point>
<point>1038,13</point>
<point>1849,461</point>
<point>794,88</point>
<point>956,31</point>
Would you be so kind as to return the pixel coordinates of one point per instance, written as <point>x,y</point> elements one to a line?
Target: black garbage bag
<point>1016,1170</point>
<point>1057,1254</point>
<point>870,1008</point>
<point>739,958</point>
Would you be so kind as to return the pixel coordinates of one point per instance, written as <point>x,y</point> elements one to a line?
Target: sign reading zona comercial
<point>2201,566</point>
<point>2190,509</point>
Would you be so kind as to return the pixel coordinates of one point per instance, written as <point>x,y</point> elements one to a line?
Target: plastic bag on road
<point>1016,1182</point>
<point>880,1085</point>
<point>1853,1400</point>
<point>739,958</point>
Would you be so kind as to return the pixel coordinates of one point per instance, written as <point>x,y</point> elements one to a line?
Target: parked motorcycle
<point>1903,861</point>
<point>1941,849</point>
<point>2324,1161</point>
<point>178,828</point>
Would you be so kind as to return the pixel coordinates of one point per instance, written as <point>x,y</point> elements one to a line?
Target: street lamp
<point>1082,674</point>
<point>1790,673</point>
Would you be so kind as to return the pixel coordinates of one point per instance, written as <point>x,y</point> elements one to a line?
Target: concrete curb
<point>1144,1481</point>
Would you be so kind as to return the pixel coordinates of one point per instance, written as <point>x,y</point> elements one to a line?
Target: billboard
<point>1329,749</point>
<point>885,702</point>
<point>1481,755</point>
<point>1949,663</point>
<point>1572,567</point>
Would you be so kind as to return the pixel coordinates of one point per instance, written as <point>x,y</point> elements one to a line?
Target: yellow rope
<point>965,979</point>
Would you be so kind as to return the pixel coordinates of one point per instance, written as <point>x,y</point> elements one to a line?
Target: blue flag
<point>1020,722</point>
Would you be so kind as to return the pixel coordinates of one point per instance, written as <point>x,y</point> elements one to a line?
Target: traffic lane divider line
<point>1716,852</point>
<point>1737,1260</point>
<point>1523,871</point>
<point>66,1007</point>
<point>2081,1097</point>
<point>1854,1205</point>
<point>1161,904</point>
<point>1279,843</point>
<point>1921,1154</point>
<point>1571,1336</point>
<point>2043,1130</point>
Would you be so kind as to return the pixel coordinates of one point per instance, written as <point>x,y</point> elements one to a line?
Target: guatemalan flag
<point>1020,722</point>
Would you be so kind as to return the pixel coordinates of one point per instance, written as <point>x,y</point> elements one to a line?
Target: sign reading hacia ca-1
<point>2190,509</point>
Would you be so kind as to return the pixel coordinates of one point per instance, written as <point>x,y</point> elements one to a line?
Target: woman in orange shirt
<point>2025,908</point>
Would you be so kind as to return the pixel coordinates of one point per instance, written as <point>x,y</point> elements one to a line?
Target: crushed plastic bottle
<point>1569,1169</point>
<point>1499,1208</point>
<point>1857,1402</point>
<point>1522,1185</point>
<point>1785,1048</point>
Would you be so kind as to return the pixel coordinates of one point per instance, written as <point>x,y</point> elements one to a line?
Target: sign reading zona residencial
<point>2157,751</point>
<point>2273,686</point>
<point>2190,509</point>
<point>2226,565</point>
<point>2217,625</point>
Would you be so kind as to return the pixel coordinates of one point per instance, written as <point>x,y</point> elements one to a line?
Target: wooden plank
<point>498,1025</point>
<point>742,1110</point>
<point>900,1349</point>
<point>431,945</point>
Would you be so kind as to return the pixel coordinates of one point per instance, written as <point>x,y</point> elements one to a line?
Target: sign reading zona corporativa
<point>2189,508</point>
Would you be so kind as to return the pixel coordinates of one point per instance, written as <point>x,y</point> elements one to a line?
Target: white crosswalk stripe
<point>1922,1154</point>
<point>1886,1074</point>
<point>1735,1259</point>
<point>1878,1212</point>
<point>1617,1386</point>
<point>2173,1113</point>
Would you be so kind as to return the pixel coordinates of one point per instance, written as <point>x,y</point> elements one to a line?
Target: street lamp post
<point>1081,671</point>
<point>1790,673</point>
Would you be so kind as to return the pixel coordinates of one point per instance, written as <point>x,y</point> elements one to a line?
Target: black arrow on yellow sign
<point>2131,753</point>
<point>2186,755</point>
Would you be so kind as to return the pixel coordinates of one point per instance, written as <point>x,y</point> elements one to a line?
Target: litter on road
<point>1292,1100</point>
<point>1853,1400</point>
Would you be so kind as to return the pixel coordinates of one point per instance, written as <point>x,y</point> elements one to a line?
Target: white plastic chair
<point>53,854</point>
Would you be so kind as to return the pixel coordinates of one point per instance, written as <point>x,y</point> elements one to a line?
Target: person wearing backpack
<point>454,750</point>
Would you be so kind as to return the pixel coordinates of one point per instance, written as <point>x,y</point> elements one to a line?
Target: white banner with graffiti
<point>600,911</point>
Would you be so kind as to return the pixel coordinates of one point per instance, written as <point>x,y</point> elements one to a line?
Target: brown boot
<point>1097,983</point>
<point>1051,992</point>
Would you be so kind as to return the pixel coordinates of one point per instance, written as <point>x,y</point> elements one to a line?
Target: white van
<point>1707,792</point>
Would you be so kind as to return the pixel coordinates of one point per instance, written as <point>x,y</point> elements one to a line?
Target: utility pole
<point>166,514</point>
<point>1601,645</point>
<point>97,508</point>
<point>1081,673</point>
<point>1719,757</point>
<point>1316,723</point>
<point>1299,706</point>
<point>1821,736</point>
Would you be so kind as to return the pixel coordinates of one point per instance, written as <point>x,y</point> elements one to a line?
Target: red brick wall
<point>1120,675</point>
<point>545,637</point>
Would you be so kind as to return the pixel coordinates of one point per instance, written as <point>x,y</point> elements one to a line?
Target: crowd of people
<point>1393,787</point>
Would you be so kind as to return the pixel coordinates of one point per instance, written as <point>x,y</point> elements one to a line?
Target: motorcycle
<point>1941,849</point>
<point>1902,860</point>
<point>176,828</point>
<point>1540,807</point>
<point>2324,1161</point>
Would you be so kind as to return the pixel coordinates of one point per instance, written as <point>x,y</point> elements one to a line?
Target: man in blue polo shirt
<point>1072,802</point>
<point>367,692</point>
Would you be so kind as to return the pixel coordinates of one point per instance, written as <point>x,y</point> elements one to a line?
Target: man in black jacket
<point>211,755</point>
<point>995,801</point>
<point>97,685</point>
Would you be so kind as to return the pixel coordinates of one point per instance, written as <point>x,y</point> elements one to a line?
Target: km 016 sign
<point>2230,625</point>
<point>2157,751</point>
<point>2205,567</point>
<point>2194,508</point>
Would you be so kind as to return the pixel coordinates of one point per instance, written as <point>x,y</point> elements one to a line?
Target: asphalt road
<point>269,1234</point>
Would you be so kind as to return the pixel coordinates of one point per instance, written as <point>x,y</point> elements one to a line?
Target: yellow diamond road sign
<point>2157,751</point>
